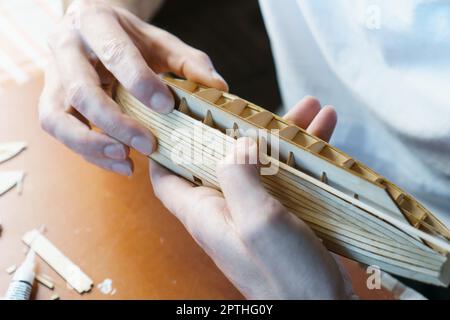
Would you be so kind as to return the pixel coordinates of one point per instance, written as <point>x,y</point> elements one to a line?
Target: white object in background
<point>22,282</point>
<point>9,150</point>
<point>9,179</point>
<point>58,261</point>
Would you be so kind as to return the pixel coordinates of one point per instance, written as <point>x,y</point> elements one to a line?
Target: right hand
<point>94,43</point>
<point>261,247</point>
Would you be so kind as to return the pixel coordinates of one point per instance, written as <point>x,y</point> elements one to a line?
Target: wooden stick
<point>58,261</point>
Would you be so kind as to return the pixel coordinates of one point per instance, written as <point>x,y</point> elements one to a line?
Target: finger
<point>165,52</point>
<point>303,113</point>
<point>248,201</point>
<point>271,233</point>
<point>164,183</point>
<point>204,218</point>
<point>200,209</point>
<point>324,123</point>
<point>104,34</point>
<point>68,129</point>
<point>188,62</point>
<point>82,87</point>
<point>123,167</point>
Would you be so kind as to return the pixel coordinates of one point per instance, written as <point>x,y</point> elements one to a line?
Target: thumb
<point>199,68</point>
<point>248,201</point>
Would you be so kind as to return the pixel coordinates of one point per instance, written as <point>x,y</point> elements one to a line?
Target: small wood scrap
<point>58,261</point>
<point>55,296</point>
<point>106,287</point>
<point>11,269</point>
<point>11,149</point>
<point>9,179</point>
<point>45,280</point>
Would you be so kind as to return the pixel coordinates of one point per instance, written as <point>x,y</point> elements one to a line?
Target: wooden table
<point>111,226</point>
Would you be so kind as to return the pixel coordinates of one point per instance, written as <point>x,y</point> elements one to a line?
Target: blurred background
<point>24,26</point>
<point>239,50</point>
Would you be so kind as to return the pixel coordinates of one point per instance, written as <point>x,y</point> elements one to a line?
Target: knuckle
<point>112,51</point>
<point>61,39</point>
<point>81,144</point>
<point>76,94</point>
<point>200,55</point>
<point>118,130</point>
<point>139,80</point>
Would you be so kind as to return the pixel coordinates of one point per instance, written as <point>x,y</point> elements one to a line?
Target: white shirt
<point>385,66</point>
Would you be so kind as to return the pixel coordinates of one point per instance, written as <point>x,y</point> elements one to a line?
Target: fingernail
<point>115,151</point>
<point>122,169</point>
<point>161,102</point>
<point>142,144</point>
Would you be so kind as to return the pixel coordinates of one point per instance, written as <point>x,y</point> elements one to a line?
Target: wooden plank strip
<point>58,261</point>
<point>9,150</point>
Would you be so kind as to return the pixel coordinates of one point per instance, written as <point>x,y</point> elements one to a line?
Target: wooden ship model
<point>356,212</point>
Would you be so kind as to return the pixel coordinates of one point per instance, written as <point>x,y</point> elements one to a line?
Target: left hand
<point>263,249</point>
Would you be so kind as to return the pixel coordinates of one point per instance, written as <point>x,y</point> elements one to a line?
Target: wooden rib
<point>235,106</point>
<point>261,119</point>
<point>348,163</point>
<point>316,146</point>
<point>208,120</point>
<point>324,178</point>
<point>210,94</point>
<point>183,107</point>
<point>290,160</point>
<point>182,84</point>
<point>289,132</point>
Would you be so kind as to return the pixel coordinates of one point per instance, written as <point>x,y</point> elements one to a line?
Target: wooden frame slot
<point>183,107</point>
<point>289,132</point>
<point>210,94</point>
<point>261,119</point>
<point>185,84</point>
<point>235,106</point>
<point>317,146</point>
<point>303,139</point>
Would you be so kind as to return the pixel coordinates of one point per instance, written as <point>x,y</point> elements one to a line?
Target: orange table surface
<point>111,226</point>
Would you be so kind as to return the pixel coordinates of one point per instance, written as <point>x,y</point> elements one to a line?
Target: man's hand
<point>93,42</point>
<point>266,251</point>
